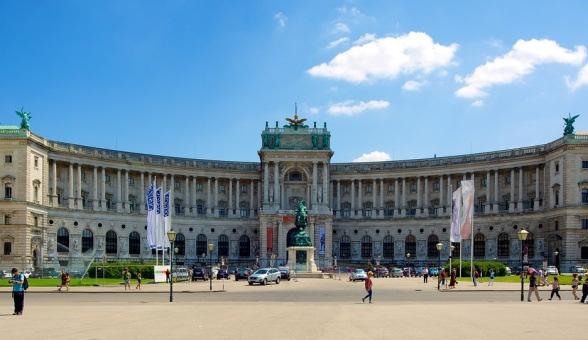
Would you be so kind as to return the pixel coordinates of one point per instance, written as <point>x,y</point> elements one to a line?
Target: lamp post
<point>451,258</point>
<point>408,263</point>
<point>522,237</point>
<point>439,247</point>
<point>555,254</point>
<point>210,249</point>
<point>171,236</point>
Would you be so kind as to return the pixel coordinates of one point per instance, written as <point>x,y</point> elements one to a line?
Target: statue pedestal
<point>301,260</point>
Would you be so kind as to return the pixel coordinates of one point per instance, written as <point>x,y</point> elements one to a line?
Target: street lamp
<point>210,249</point>
<point>408,263</point>
<point>555,254</point>
<point>450,258</point>
<point>439,247</point>
<point>171,236</point>
<point>522,237</point>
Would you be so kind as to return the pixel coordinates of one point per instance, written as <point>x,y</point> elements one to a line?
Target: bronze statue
<point>301,238</point>
<point>25,118</point>
<point>569,124</point>
<point>296,122</point>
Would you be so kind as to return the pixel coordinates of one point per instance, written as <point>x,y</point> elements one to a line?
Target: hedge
<point>484,266</point>
<point>114,270</point>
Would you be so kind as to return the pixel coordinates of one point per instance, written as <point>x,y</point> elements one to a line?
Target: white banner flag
<point>151,216</point>
<point>158,219</point>
<point>166,218</point>
<point>455,235</point>
<point>467,211</point>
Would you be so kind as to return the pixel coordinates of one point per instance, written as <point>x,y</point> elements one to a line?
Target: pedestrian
<point>491,275</point>
<point>442,276</point>
<point>533,287</point>
<point>368,287</point>
<point>575,283</point>
<point>543,275</point>
<point>167,275</point>
<point>475,277</point>
<point>127,278</point>
<point>555,288</point>
<point>453,279</point>
<point>425,275</point>
<point>63,278</point>
<point>584,290</point>
<point>138,281</point>
<point>18,291</point>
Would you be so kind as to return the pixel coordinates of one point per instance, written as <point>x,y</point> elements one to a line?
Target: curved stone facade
<point>64,204</point>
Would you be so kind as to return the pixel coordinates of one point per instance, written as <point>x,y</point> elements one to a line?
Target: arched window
<point>201,248</point>
<point>111,242</point>
<point>223,245</point>
<point>529,245</point>
<point>8,191</point>
<point>366,247</point>
<point>87,240</point>
<point>63,240</point>
<point>295,176</point>
<point>180,244</point>
<point>244,246</point>
<point>503,245</point>
<point>345,247</point>
<point>134,243</point>
<point>410,245</point>
<point>388,247</point>
<point>432,246</point>
<point>479,245</point>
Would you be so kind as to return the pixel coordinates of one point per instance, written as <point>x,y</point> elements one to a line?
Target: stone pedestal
<point>301,259</point>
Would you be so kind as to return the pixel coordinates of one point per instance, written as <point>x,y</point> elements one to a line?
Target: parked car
<point>199,273</point>
<point>180,274</point>
<point>418,271</point>
<point>578,270</point>
<point>5,274</point>
<point>243,273</point>
<point>222,274</point>
<point>284,273</point>
<point>264,275</point>
<point>433,271</point>
<point>396,272</point>
<point>358,275</point>
<point>382,272</point>
<point>552,270</point>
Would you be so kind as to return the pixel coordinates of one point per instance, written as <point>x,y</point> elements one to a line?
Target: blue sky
<point>200,78</point>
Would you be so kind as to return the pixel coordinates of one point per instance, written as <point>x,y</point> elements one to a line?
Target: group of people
<point>536,278</point>
<point>126,276</point>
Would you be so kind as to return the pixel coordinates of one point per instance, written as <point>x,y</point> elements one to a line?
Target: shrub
<point>484,266</point>
<point>113,270</point>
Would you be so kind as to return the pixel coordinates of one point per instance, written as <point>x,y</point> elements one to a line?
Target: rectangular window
<point>413,187</point>
<point>436,186</point>
<point>177,186</point>
<point>107,179</point>
<point>556,167</point>
<point>8,159</point>
<point>584,164</point>
<point>584,196</point>
<point>484,183</point>
<point>7,191</point>
<point>6,219</point>
<point>585,223</point>
<point>391,188</point>
<point>131,181</point>
<point>221,188</point>
<point>36,221</point>
<point>7,248</point>
<point>198,187</point>
<point>346,189</point>
<point>368,189</point>
<point>36,161</point>
<point>244,189</point>
<point>507,180</point>
<point>83,173</point>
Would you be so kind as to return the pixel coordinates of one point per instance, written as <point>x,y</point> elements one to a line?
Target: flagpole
<point>460,251</point>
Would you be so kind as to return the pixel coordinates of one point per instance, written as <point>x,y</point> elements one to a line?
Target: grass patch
<point>75,282</point>
<point>563,279</point>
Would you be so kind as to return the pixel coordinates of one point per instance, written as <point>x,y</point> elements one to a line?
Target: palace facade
<point>64,204</point>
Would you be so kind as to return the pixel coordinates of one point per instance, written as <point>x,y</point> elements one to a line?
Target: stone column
<point>209,204</point>
<point>360,196</point>
<point>330,194</point>
<point>142,193</point>
<point>251,209</point>
<point>54,183</point>
<point>338,198</point>
<point>353,207</point>
<point>118,191</point>
<point>375,204</point>
<point>266,183</point>
<point>79,188</point>
<point>381,210</point>
<point>326,184</point>
<point>520,202</point>
<point>536,202</point>
<point>487,207</point>
<point>216,197</point>
<point>403,213</point>
<point>126,196</point>
<point>230,214</point>
<point>237,198</point>
<point>449,194</point>
<point>71,199</point>
<point>496,190</point>
<point>193,196</point>
<point>314,184</point>
<point>103,190</point>
<point>512,190</point>
<point>441,196</point>
<point>262,244</point>
<point>172,190</point>
<point>419,194</point>
<point>95,188</point>
<point>277,184</point>
<point>426,199</point>
<point>187,201</point>
<point>397,205</point>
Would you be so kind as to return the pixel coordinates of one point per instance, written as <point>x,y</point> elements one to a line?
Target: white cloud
<point>337,42</point>
<point>580,81</point>
<point>341,28</point>
<point>413,85</point>
<point>351,108</point>
<point>521,60</point>
<point>281,18</point>
<point>313,110</point>
<point>366,38</point>
<point>478,103</point>
<point>353,11</point>
<point>387,58</point>
<point>374,156</point>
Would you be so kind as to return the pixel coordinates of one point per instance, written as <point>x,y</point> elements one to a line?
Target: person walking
<point>453,279</point>
<point>64,281</point>
<point>533,287</point>
<point>584,291</point>
<point>555,288</point>
<point>18,291</point>
<point>575,283</point>
<point>127,278</point>
<point>167,273</point>
<point>368,287</point>
<point>426,275</point>
<point>475,277</point>
<point>491,275</point>
<point>138,281</point>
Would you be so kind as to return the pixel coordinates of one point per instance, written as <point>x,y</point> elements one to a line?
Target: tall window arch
<point>366,247</point>
<point>201,245</point>
<point>479,245</point>
<point>410,245</point>
<point>87,240</point>
<point>63,240</point>
<point>8,190</point>
<point>388,247</point>
<point>529,245</point>
<point>244,246</point>
<point>432,246</point>
<point>223,245</point>
<point>180,244</point>
<point>134,243</point>
<point>345,247</point>
<point>111,242</point>
<point>503,245</point>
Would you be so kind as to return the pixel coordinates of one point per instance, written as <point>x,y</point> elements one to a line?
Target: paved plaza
<point>305,309</point>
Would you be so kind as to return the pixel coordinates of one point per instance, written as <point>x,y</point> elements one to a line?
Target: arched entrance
<point>554,243</point>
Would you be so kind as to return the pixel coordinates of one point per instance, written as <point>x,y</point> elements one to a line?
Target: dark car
<point>382,272</point>
<point>222,274</point>
<point>243,274</point>
<point>199,273</point>
<point>284,273</point>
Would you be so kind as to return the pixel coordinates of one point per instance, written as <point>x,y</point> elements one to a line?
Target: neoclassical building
<point>65,204</point>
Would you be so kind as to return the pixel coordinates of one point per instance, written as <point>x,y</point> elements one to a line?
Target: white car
<point>358,275</point>
<point>552,270</point>
<point>264,275</point>
<point>180,274</point>
<point>578,270</point>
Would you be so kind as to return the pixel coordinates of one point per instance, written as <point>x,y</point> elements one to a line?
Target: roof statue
<point>569,124</point>
<point>296,122</point>
<point>25,118</point>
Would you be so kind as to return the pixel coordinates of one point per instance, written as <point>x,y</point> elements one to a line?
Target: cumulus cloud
<point>413,85</point>
<point>281,18</point>
<point>313,110</point>
<point>387,58</point>
<point>352,108</point>
<point>581,80</point>
<point>337,42</point>
<point>374,156</point>
<point>341,28</point>
<point>366,38</point>
<point>521,60</point>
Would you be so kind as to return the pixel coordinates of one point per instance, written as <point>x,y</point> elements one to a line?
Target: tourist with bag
<point>19,285</point>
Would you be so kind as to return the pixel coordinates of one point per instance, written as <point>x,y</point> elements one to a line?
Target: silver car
<point>264,275</point>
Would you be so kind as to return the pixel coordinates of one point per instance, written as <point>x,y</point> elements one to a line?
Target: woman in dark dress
<point>452,279</point>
